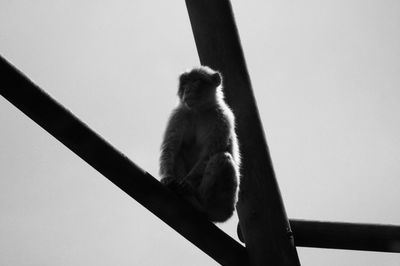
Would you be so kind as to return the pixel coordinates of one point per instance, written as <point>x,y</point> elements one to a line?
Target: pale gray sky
<point>326,75</point>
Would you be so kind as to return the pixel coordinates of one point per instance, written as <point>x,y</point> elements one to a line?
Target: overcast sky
<point>326,75</point>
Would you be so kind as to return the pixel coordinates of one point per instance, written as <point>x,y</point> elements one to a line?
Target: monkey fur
<point>200,151</point>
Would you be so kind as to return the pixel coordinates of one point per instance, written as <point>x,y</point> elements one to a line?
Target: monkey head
<point>199,88</point>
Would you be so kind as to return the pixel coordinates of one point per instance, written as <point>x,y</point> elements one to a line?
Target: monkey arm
<point>171,144</point>
<point>169,151</point>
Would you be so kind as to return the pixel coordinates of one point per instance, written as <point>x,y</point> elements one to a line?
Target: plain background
<point>326,76</point>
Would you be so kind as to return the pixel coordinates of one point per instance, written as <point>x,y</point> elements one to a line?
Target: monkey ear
<point>180,92</point>
<point>183,77</point>
<point>217,78</point>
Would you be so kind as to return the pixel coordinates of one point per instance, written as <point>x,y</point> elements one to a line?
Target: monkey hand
<point>181,187</point>
<point>166,180</point>
<point>193,179</point>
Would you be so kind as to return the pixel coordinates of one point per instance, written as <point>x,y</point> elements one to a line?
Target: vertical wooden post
<point>263,220</point>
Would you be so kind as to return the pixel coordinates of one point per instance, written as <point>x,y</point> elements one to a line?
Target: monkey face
<point>197,93</point>
<point>197,88</point>
<point>193,92</point>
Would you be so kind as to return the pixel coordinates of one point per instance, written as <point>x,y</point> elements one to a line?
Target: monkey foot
<point>182,188</point>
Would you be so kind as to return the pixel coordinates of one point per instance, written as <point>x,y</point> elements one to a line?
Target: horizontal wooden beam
<point>115,166</point>
<point>339,235</point>
<point>354,236</point>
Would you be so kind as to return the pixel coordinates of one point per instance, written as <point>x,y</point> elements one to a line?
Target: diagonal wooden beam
<point>262,216</point>
<point>116,167</point>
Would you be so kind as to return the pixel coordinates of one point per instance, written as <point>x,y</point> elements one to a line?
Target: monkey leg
<point>217,190</point>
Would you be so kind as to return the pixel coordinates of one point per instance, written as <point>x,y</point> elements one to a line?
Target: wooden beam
<point>354,236</point>
<point>116,167</point>
<point>263,219</point>
<point>339,235</point>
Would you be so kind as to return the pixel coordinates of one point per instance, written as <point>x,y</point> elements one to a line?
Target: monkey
<point>200,151</point>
